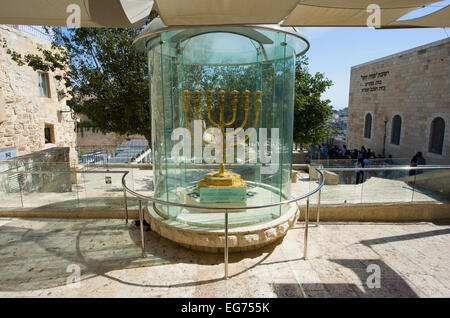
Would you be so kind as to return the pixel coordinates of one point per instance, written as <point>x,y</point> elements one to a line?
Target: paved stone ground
<point>414,260</point>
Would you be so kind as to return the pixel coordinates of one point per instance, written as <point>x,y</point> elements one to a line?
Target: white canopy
<point>129,13</point>
<point>294,13</point>
<point>94,13</point>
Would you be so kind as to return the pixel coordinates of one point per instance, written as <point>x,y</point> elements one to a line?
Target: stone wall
<point>89,138</point>
<point>23,113</point>
<point>414,84</point>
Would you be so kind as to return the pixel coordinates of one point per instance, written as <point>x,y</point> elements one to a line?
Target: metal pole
<point>305,249</point>
<point>383,152</point>
<point>125,202</point>
<point>318,209</point>
<point>141,221</point>
<point>362,187</point>
<point>20,186</point>
<point>318,200</point>
<point>413,186</point>
<point>226,244</point>
<point>76,186</point>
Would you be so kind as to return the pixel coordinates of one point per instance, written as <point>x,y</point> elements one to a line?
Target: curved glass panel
<point>255,69</point>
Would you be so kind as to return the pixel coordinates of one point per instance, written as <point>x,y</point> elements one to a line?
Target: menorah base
<point>222,179</point>
<point>222,186</point>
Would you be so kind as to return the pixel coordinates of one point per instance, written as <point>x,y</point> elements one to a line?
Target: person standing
<point>413,163</point>
<point>344,152</point>
<point>363,152</point>
<point>359,173</point>
<point>420,162</point>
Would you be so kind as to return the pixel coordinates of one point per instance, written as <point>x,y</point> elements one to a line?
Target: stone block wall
<point>414,84</point>
<point>23,113</point>
<point>90,139</point>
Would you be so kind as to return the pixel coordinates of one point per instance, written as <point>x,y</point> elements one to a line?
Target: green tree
<point>109,79</point>
<point>105,77</point>
<point>310,112</point>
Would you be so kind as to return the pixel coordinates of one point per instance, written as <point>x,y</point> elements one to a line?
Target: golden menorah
<point>223,177</point>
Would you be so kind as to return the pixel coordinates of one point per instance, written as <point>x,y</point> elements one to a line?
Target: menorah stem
<point>222,168</point>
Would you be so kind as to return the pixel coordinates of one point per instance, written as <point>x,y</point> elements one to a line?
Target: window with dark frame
<point>43,83</point>
<point>437,136</point>
<point>49,134</point>
<point>396,130</point>
<point>368,126</point>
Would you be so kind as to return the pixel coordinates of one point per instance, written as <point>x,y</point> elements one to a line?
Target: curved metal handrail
<point>208,207</point>
<point>400,167</point>
<point>224,208</point>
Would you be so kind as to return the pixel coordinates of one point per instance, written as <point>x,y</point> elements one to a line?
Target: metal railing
<point>15,171</point>
<point>168,203</point>
<point>109,154</point>
<point>397,168</point>
<point>220,208</point>
<point>141,197</point>
<point>373,162</point>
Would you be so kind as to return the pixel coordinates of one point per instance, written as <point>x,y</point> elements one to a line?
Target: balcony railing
<point>382,185</point>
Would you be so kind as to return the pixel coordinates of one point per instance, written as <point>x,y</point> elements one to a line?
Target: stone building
<point>32,115</point>
<point>401,103</point>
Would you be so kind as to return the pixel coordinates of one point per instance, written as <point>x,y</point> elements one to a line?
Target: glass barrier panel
<point>341,187</point>
<point>388,186</point>
<point>143,181</point>
<point>48,190</point>
<point>431,185</point>
<point>10,195</point>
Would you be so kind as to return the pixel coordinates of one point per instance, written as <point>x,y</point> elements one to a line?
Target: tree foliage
<point>310,112</point>
<point>104,77</point>
<point>107,80</point>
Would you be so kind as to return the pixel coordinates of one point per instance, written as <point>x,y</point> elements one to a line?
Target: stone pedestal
<point>240,239</point>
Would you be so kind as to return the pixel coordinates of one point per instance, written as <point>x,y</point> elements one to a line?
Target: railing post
<point>125,202</point>
<point>76,186</point>
<point>141,222</point>
<point>305,247</point>
<point>226,244</point>
<point>413,187</point>
<point>19,181</point>
<point>318,201</point>
<point>362,187</point>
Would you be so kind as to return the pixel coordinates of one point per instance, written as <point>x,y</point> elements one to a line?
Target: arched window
<point>396,129</point>
<point>368,126</point>
<point>437,135</point>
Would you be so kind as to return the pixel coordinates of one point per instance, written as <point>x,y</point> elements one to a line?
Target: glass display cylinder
<point>235,82</point>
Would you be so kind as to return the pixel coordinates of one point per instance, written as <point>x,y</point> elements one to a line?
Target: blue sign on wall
<point>8,153</point>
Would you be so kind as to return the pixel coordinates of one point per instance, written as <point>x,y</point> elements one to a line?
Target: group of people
<point>335,152</point>
<point>363,158</point>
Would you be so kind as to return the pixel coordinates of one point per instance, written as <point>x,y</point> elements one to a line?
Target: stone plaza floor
<point>36,257</point>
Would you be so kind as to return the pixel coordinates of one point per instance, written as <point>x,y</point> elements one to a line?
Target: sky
<point>334,51</point>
